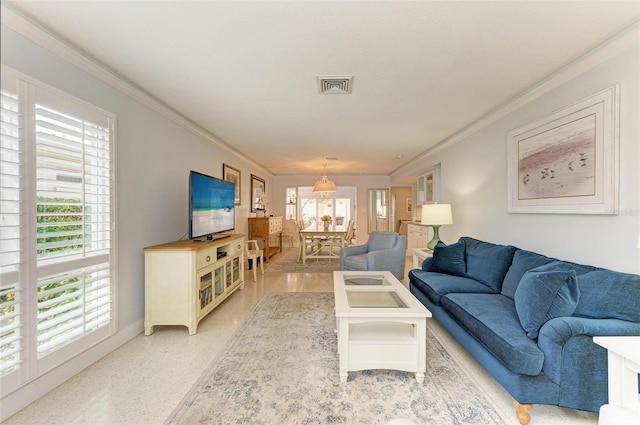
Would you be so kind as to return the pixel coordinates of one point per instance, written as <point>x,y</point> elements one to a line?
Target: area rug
<point>281,367</point>
<point>287,263</point>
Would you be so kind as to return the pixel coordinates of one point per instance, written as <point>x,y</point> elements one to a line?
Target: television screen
<point>211,206</point>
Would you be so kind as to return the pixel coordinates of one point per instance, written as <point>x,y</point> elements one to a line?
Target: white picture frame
<point>431,186</point>
<point>567,162</point>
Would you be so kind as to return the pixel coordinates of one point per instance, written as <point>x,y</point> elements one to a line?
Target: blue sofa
<point>529,320</point>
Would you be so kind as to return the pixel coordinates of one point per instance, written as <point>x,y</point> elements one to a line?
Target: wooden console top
<point>191,245</point>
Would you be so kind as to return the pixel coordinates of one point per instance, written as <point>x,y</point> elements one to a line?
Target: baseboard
<point>14,402</point>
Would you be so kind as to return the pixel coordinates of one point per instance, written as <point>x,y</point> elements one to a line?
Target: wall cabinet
<point>264,228</point>
<point>427,186</point>
<point>420,192</point>
<point>185,280</point>
<point>416,235</point>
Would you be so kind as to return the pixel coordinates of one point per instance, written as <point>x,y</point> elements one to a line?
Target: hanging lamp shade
<point>324,185</point>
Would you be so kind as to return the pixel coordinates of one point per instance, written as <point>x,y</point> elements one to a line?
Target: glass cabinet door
<point>236,269</point>
<point>420,190</point>
<point>205,294</point>
<point>228,274</point>
<point>219,280</point>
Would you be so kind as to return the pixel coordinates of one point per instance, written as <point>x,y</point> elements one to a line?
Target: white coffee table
<point>381,325</point>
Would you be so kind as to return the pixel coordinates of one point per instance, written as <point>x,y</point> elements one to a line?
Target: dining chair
<point>254,254</point>
<point>349,235</point>
<point>286,234</point>
<point>340,242</point>
<point>296,230</point>
<point>303,241</point>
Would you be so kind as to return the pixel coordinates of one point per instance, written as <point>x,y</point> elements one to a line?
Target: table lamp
<point>435,215</point>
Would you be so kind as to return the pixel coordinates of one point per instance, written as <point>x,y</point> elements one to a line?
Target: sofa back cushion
<point>523,261</point>
<point>379,241</point>
<point>486,262</point>
<point>605,294</point>
<point>545,293</point>
<point>449,259</point>
<point>527,260</point>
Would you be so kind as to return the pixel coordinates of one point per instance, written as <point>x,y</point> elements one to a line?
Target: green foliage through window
<point>60,225</point>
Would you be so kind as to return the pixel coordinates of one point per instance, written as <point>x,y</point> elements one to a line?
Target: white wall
<point>154,156</point>
<point>474,179</point>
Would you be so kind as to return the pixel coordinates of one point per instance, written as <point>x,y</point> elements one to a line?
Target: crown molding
<point>65,49</point>
<point>11,18</point>
<point>625,39</point>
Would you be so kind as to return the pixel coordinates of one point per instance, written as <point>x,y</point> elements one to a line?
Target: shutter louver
<point>10,233</point>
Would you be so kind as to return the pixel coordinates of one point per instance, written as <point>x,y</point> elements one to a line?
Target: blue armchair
<point>384,251</point>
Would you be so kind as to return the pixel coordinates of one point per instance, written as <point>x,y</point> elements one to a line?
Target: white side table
<point>420,254</point>
<point>624,366</point>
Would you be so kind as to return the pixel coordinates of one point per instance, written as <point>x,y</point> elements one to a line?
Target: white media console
<point>185,280</point>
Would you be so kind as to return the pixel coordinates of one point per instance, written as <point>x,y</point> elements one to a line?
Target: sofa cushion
<point>355,262</point>
<point>435,285</point>
<point>526,260</point>
<point>486,262</point>
<point>605,294</point>
<point>449,259</point>
<point>381,240</point>
<point>544,293</point>
<point>522,261</point>
<point>492,320</point>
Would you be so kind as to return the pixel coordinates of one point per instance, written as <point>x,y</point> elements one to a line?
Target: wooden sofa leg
<point>522,411</point>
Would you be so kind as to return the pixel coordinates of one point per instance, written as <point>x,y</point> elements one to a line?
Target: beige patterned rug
<point>281,367</point>
<point>287,263</point>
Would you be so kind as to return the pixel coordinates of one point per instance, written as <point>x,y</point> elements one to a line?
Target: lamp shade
<point>324,186</point>
<point>436,214</point>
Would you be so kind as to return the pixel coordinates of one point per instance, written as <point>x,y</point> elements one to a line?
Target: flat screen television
<point>211,207</point>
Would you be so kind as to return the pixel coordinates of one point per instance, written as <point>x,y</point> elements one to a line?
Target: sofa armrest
<point>351,250</point>
<point>574,361</point>
<point>379,257</point>
<point>426,263</point>
<point>561,329</point>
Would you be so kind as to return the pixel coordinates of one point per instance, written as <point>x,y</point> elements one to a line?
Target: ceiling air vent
<point>335,85</point>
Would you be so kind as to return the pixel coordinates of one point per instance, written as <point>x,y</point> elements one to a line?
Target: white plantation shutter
<point>10,245</point>
<point>57,259</point>
<point>73,175</point>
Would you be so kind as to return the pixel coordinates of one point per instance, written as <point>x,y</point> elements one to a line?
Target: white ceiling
<point>246,71</point>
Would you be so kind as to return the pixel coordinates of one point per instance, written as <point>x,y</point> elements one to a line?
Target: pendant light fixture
<point>324,186</point>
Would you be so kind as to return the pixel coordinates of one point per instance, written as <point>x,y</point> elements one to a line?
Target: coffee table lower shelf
<point>374,344</point>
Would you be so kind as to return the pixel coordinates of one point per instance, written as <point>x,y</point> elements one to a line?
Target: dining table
<point>320,243</point>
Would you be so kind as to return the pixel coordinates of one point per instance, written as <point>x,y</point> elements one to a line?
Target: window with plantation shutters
<point>57,268</point>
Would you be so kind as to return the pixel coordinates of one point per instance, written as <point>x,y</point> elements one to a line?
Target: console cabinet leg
<point>522,411</point>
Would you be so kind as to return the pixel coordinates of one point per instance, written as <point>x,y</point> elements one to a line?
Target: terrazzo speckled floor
<point>143,381</point>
